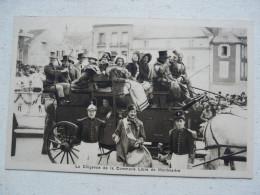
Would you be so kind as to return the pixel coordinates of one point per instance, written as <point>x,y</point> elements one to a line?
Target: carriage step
<point>28,133</point>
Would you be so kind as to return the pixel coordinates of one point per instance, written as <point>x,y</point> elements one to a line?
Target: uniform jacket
<point>126,144</point>
<point>90,130</point>
<point>182,142</point>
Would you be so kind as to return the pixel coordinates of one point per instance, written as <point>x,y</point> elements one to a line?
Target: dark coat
<point>178,69</point>
<point>132,68</point>
<point>90,130</point>
<point>52,74</point>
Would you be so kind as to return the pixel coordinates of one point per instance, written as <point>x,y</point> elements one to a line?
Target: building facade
<point>114,38</point>
<point>229,64</point>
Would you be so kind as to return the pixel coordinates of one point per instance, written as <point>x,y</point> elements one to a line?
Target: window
<point>102,38</point>
<point>20,54</point>
<point>223,69</point>
<point>224,51</point>
<point>114,39</point>
<point>243,71</point>
<point>58,54</point>
<point>125,38</point>
<point>188,63</point>
<point>124,53</point>
<point>243,51</point>
<point>192,62</point>
<point>62,53</point>
<point>191,43</point>
<point>113,53</point>
<point>146,43</point>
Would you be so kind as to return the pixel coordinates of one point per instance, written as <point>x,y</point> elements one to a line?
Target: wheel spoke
<point>57,155</point>
<point>74,154</point>
<point>55,149</point>
<point>71,158</point>
<point>67,157</point>
<point>75,149</point>
<point>62,157</point>
<point>54,142</point>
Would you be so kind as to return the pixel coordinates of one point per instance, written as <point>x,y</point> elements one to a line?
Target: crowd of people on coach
<point>168,73</point>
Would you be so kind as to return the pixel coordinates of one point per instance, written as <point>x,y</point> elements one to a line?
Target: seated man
<point>51,83</point>
<point>105,111</point>
<point>85,81</point>
<point>164,79</point>
<point>72,73</point>
<point>178,71</point>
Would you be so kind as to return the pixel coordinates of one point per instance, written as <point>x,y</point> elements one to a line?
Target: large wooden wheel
<point>62,143</point>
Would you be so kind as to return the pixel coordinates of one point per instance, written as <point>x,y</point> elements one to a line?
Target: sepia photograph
<point>131,96</point>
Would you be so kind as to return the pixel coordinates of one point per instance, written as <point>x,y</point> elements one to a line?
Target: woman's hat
<point>138,54</point>
<point>119,56</point>
<point>179,115</point>
<point>163,55</point>
<point>146,54</point>
<point>106,55</point>
<point>131,107</point>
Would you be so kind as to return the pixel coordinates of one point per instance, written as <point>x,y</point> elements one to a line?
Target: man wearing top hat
<point>51,83</point>
<point>80,65</point>
<point>164,79</point>
<point>182,146</point>
<point>90,131</point>
<point>85,81</point>
<point>72,73</point>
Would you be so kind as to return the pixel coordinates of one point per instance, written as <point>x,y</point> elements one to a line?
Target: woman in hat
<point>125,84</point>
<point>129,134</point>
<point>182,147</point>
<point>145,74</point>
<point>133,67</point>
<point>105,61</point>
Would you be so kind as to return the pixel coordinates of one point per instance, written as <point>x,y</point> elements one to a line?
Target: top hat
<point>65,58</point>
<point>107,56</point>
<point>163,55</point>
<point>53,55</point>
<point>81,55</point>
<point>179,115</point>
<point>147,54</point>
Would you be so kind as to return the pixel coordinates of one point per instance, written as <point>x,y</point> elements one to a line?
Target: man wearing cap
<point>90,131</point>
<point>53,73</point>
<point>80,65</point>
<point>164,79</point>
<point>178,71</point>
<point>182,147</point>
<point>128,135</point>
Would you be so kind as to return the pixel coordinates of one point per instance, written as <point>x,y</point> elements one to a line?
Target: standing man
<point>129,134</point>
<point>182,147</point>
<point>90,131</point>
<point>80,65</point>
<point>53,73</point>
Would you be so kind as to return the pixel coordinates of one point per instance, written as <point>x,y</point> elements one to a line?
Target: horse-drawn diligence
<point>219,133</point>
